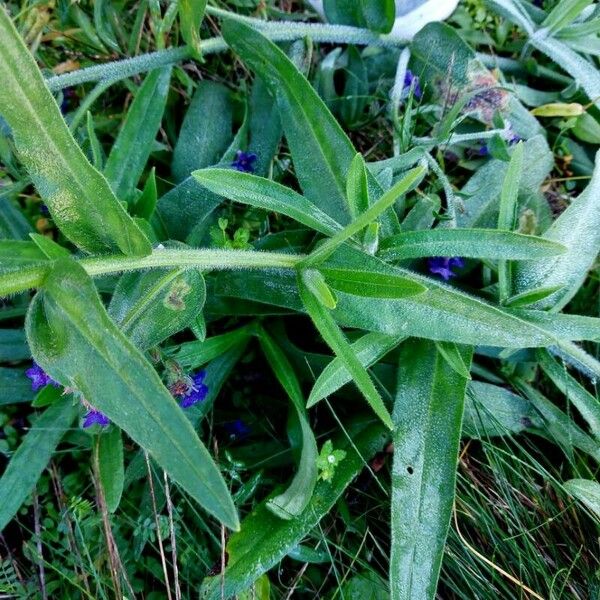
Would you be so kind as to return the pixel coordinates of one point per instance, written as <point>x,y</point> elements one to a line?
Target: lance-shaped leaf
<point>72,337</point>
<point>265,539</point>
<point>577,228</point>
<point>79,198</point>
<point>428,416</point>
<point>14,386</point>
<point>295,498</point>
<point>32,456</point>
<point>321,151</point>
<point>133,145</point>
<point>266,194</point>
<point>586,491</point>
<point>469,243</point>
<point>336,340</point>
<point>368,349</point>
<point>377,15</point>
<point>109,457</point>
<point>149,307</point>
<point>191,13</point>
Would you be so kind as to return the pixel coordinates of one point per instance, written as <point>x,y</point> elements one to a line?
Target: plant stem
<point>33,277</point>
<point>276,31</point>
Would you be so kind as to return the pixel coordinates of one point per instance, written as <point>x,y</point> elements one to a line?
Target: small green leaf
<point>453,355</point>
<point>531,297</point>
<point>32,456</point>
<point>377,15</point>
<point>110,466</point>
<point>585,491</point>
<point>134,143</point>
<point>149,307</point>
<point>369,349</point>
<point>558,109</point>
<point>296,497</point>
<point>315,282</point>
<point>74,340</point>
<point>191,13</point>
<point>266,194</point>
<point>336,340</point>
<point>469,243</point>
<point>386,201</point>
<point>79,198</point>
<point>428,416</point>
<point>48,246</point>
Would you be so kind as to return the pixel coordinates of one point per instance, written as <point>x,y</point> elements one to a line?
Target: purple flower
<point>39,377</point>
<point>412,81</point>
<point>44,210</point>
<point>95,417</point>
<point>483,151</point>
<point>514,138</point>
<point>442,266</point>
<point>244,161</point>
<point>237,429</point>
<point>196,391</point>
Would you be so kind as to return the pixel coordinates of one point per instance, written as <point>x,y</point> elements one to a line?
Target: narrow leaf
<point>134,143</point>
<point>428,416</point>
<point>79,198</point>
<point>74,340</point>
<point>110,466</point>
<point>191,13</point>
<point>585,491</point>
<point>32,456</point>
<point>334,337</point>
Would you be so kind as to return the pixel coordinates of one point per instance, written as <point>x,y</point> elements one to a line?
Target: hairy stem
<point>277,31</point>
<point>33,277</point>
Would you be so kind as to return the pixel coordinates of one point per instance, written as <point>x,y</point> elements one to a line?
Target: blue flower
<point>237,429</point>
<point>514,138</point>
<point>39,377</point>
<point>244,161</point>
<point>443,265</point>
<point>95,417</point>
<point>412,81</point>
<point>196,391</point>
<point>44,210</point>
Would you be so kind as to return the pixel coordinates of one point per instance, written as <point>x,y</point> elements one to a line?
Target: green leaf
<point>386,201</point>
<point>110,466</point>
<point>369,349</point>
<point>191,355</point>
<point>587,405</point>
<point>357,187</point>
<point>376,15</point>
<point>530,297</point>
<point>266,194</point>
<point>428,416</point>
<point>491,410</point>
<point>577,228</point>
<point>469,243</point>
<point>13,345</point>
<point>564,13</point>
<point>32,456</point>
<point>321,151</point>
<point>371,284</point>
<point>191,13</point>
<point>134,143</point>
<point>296,497</point>
<point>15,387</point>
<point>315,283</point>
<point>336,340</point>
<point>264,539</point>
<point>17,254</point>
<point>149,307</point>
<point>508,215</point>
<point>79,198</point>
<point>74,340</point>
<point>145,204</point>
<point>453,355</point>
<point>48,246</point>
<point>205,132</point>
<point>585,491</point>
